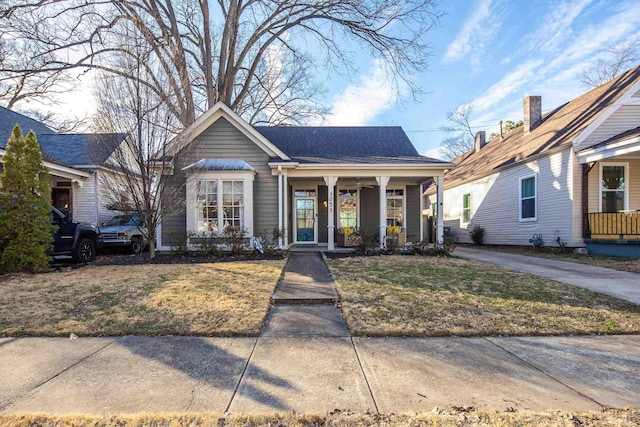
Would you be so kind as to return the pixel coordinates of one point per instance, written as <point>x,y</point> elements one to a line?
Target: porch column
<point>440,215</point>
<point>382,182</point>
<point>422,207</point>
<point>280,203</point>
<point>331,225</point>
<point>285,202</point>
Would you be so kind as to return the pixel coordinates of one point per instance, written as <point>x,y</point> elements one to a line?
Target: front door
<point>305,216</point>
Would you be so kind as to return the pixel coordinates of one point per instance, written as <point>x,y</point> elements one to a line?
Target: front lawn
<point>427,296</point>
<point>219,299</point>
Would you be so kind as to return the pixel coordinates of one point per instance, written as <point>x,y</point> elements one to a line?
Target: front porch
<point>338,212</point>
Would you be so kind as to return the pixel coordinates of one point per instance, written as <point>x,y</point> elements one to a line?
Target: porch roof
<point>623,143</point>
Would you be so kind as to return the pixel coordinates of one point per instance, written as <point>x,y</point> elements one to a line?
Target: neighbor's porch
<point>611,198</point>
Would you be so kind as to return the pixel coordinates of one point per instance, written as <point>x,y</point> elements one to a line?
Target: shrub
<point>477,235</point>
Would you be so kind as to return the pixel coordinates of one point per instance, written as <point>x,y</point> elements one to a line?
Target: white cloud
<point>510,84</point>
<point>434,153</point>
<point>552,63</point>
<point>476,33</point>
<point>360,103</point>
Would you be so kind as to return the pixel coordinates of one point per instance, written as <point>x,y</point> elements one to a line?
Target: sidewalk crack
<point>548,375</point>
<point>364,375</point>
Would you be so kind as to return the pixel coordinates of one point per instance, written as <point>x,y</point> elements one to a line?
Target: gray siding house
<point>315,184</point>
<point>570,176</point>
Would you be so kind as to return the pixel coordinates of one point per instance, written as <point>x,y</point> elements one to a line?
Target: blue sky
<point>491,53</point>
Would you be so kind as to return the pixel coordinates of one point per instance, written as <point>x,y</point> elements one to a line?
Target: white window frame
<point>404,204</point>
<point>626,182</point>
<point>339,205</point>
<point>535,197</point>
<point>247,178</point>
<point>462,221</point>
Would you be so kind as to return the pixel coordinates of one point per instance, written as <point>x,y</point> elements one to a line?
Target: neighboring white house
<point>82,177</point>
<point>572,175</point>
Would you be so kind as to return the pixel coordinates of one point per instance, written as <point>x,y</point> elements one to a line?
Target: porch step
<point>306,301</point>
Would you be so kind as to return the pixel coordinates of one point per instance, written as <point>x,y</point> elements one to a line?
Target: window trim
<point>535,198</point>
<point>339,206</point>
<point>462,221</point>
<point>626,182</point>
<point>247,178</point>
<point>404,204</point>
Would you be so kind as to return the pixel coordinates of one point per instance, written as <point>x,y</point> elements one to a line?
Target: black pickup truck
<point>77,240</point>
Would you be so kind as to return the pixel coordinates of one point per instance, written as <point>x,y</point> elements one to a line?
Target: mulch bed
<point>114,258</point>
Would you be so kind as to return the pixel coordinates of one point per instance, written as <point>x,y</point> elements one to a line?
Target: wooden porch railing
<point>617,225</point>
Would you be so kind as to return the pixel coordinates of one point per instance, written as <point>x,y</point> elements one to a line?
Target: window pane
<point>612,201</point>
<point>466,201</point>
<point>613,177</point>
<point>529,187</point>
<point>529,208</point>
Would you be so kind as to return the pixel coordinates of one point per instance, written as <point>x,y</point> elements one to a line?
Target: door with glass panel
<point>305,216</point>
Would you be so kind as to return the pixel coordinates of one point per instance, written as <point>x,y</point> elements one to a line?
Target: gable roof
<point>71,149</point>
<point>8,120</point>
<point>78,149</point>
<point>213,114</point>
<point>558,128</point>
<point>336,144</point>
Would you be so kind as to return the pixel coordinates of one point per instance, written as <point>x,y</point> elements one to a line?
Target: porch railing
<point>617,225</point>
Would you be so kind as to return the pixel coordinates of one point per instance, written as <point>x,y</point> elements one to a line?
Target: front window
<point>528,192</point>
<point>232,203</point>
<point>348,202</point>
<point>207,206</point>
<point>613,188</point>
<point>395,208</point>
<point>466,208</point>
<point>209,199</point>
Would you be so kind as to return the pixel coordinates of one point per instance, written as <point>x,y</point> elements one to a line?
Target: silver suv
<point>125,231</point>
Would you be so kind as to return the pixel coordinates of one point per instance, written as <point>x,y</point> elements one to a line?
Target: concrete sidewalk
<point>314,375</point>
<point>620,284</point>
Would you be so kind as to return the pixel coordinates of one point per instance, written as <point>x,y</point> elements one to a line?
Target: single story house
<point>81,175</point>
<point>570,176</point>
<point>314,184</point>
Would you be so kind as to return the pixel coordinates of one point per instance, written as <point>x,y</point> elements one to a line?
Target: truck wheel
<point>86,250</point>
<point>136,246</point>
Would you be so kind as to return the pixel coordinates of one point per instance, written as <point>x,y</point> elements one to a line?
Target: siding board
<point>495,201</point>
<point>223,141</point>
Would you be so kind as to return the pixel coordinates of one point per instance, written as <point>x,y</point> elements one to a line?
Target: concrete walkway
<point>305,301</point>
<point>306,361</point>
<point>620,284</point>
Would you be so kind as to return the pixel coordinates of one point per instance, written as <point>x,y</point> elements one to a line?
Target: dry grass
<point>426,296</point>
<point>617,263</point>
<point>606,418</point>
<point>221,299</point>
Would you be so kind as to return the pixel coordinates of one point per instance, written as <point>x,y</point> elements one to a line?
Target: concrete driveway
<point>620,284</point>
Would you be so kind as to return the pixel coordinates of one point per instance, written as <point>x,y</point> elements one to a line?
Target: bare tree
<point>618,59</point>
<point>461,139</point>
<point>205,51</point>
<point>129,107</point>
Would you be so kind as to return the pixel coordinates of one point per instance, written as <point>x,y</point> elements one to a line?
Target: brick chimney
<point>480,141</point>
<point>532,112</point>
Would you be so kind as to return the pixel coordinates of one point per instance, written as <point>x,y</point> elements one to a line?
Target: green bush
<point>25,206</point>
<point>477,235</point>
